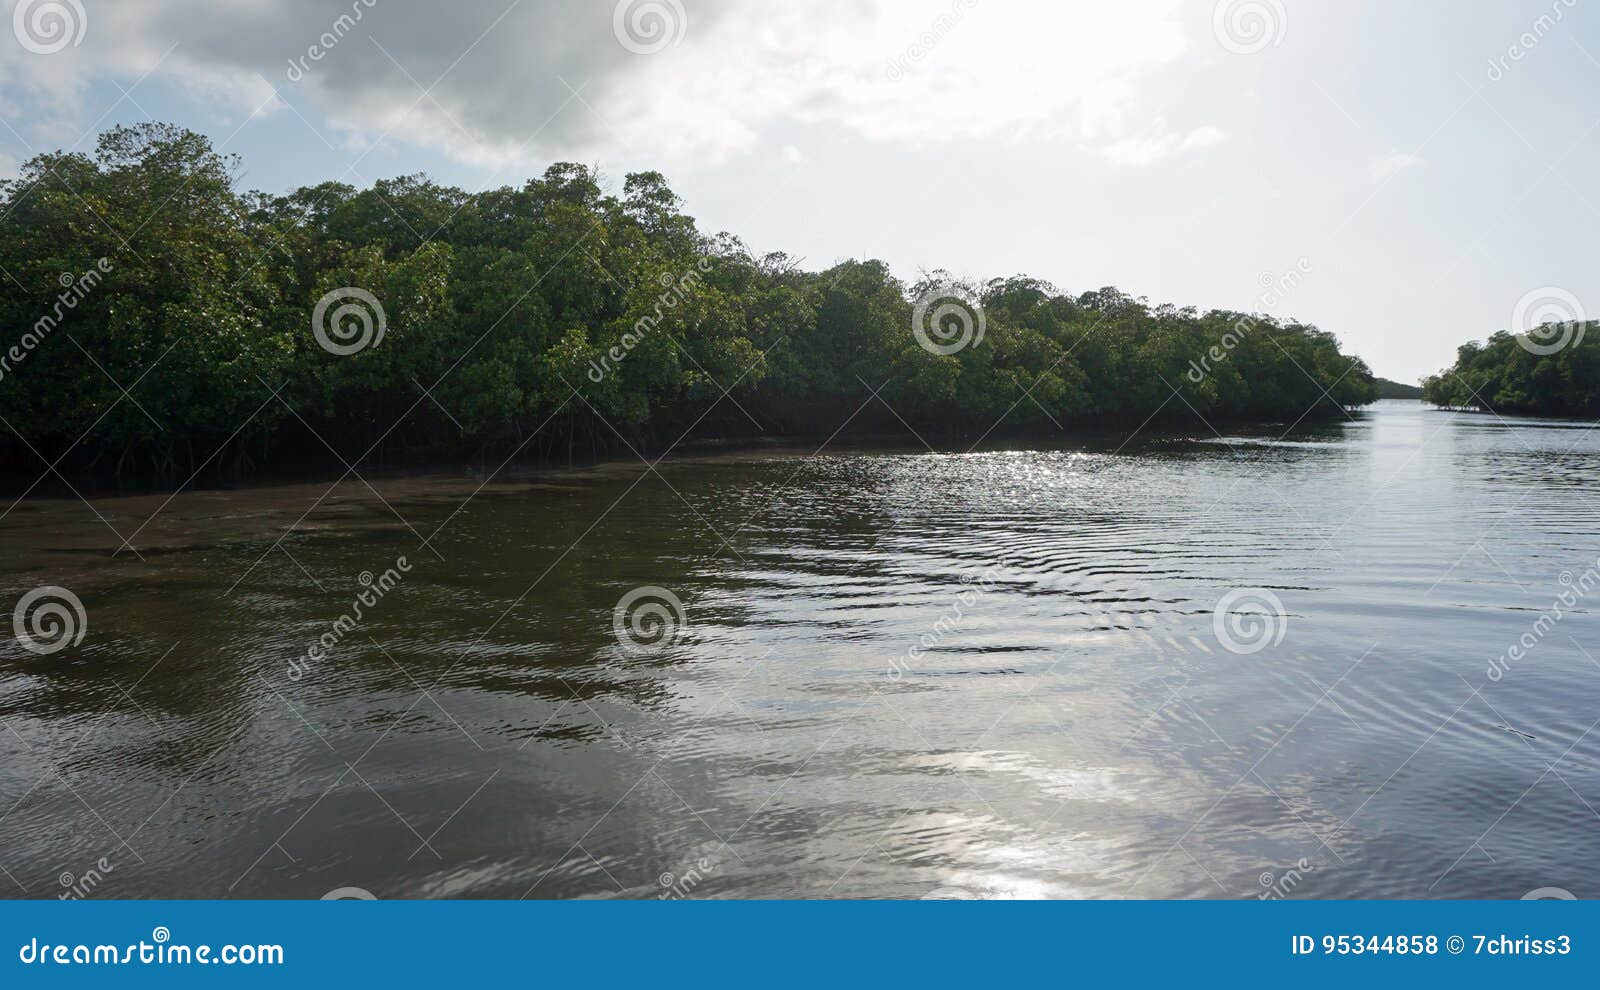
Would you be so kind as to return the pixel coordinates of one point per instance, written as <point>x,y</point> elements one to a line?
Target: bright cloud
<point>534,81</point>
<point>1397,162</point>
<point>1159,143</point>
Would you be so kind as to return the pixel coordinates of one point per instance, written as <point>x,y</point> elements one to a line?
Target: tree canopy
<point>1555,371</point>
<point>157,323</point>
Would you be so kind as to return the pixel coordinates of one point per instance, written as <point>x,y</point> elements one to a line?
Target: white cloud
<point>1397,162</point>
<point>551,80</point>
<point>1159,143</point>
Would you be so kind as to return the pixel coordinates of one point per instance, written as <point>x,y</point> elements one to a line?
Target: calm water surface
<point>899,674</point>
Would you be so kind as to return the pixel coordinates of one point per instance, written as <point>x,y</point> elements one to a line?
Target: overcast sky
<point>1430,164</point>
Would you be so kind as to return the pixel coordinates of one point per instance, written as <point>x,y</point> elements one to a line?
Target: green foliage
<point>534,320</point>
<point>1508,375</point>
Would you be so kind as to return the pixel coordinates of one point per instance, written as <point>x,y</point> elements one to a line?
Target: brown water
<point>889,673</point>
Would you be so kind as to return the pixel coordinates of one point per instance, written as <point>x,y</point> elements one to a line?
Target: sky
<point>1425,170</point>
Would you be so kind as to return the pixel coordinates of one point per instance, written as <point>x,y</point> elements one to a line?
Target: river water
<point>1236,666</point>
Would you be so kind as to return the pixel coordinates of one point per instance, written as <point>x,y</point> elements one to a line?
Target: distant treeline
<point>1397,390</point>
<point>1554,371</point>
<point>156,323</point>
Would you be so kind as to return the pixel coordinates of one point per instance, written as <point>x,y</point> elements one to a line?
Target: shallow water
<point>896,673</point>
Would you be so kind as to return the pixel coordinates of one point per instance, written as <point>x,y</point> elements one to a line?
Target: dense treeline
<point>1397,390</point>
<point>1555,371</point>
<point>158,323</point>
